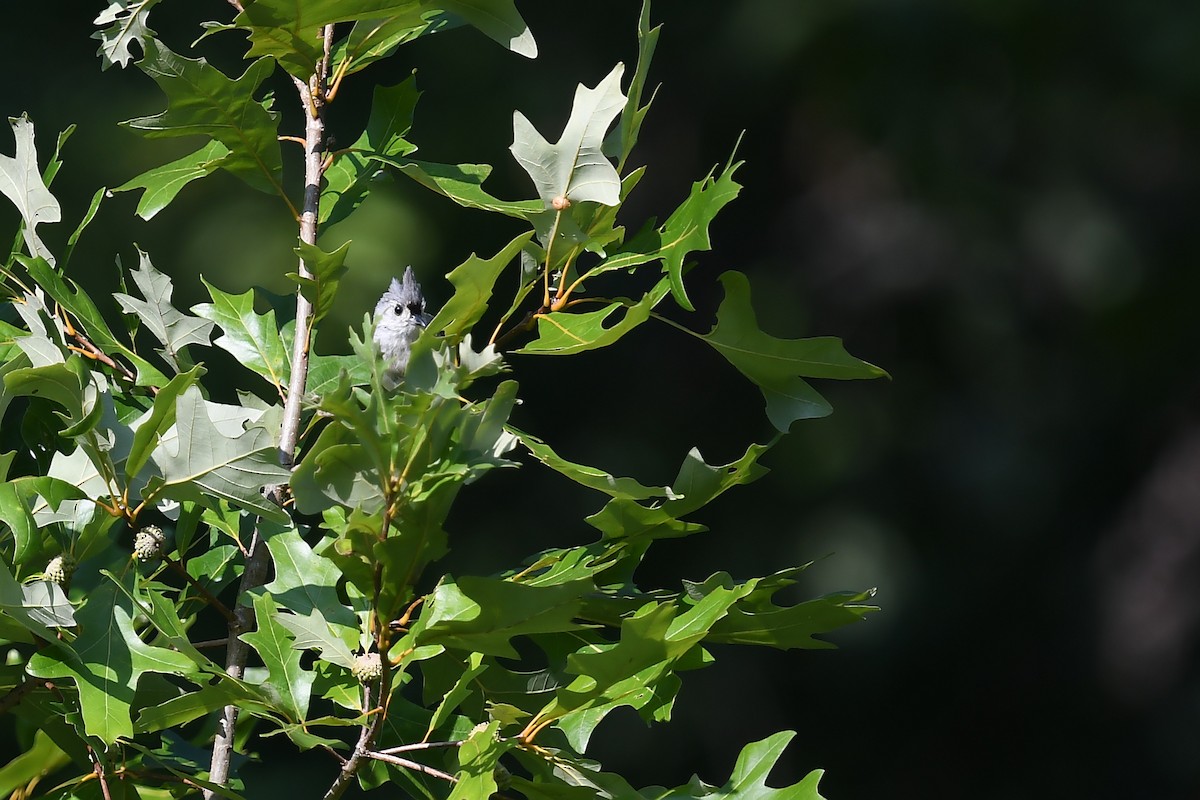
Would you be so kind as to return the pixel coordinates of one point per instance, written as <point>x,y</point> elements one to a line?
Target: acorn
<point>60,569</point>
<point>148,543</point>
<point>367,668</point>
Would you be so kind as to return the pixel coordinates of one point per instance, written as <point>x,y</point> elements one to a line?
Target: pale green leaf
<point>22,183</point>
<point>126,21</point>
<point>174,329</point>
<point>575,167</point>
<point>197,458</point>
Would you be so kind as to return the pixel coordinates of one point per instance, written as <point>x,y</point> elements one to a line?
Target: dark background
<point>994,200</point>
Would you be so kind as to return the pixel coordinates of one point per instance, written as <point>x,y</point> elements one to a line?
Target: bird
<point>400,317</point>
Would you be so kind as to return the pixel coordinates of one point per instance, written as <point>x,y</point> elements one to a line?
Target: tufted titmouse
<point>399,319</point>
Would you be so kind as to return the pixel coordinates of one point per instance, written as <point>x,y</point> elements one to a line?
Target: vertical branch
<point>312,100</point>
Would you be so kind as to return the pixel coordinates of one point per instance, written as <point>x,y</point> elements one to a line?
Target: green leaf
<point>202,100</point>
<point>758,621</point>
<point>463,183</point>
<point>42,757</point>
<point>575,167</point>
<point>373,39</point>
<point>327,270</point>
<point>126,21</point>
<point>749,778</point>
<point>348,179</point>
<point>168,324</point>
<point>473,282</point>
<point>478,757</point>
<point>88,216</point>
<point>636,671</point>
<point>157,420</point>
<point>288,685</point>
<point>621,141</point>
<point>22,183</point>
<point>306,585</point>
<point>778,366</point>
<point>684,232</point>
<point>482,614</point>
<point>567,333</point>
<point>253,339</point>
<point>591,477</point>
<point>161,184</point>
<point>462,688</point>
<point>106,662</point>
<point>197,458</point>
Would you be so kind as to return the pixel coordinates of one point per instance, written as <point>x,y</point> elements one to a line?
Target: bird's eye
<point>414,308</point>
<point>399,309</point>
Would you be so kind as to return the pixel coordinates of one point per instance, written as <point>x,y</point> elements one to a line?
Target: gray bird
<point>399,319</point>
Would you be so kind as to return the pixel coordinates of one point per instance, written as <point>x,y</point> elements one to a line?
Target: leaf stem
<point>549,249</point>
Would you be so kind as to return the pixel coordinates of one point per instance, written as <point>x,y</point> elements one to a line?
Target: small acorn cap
<point>148,543</point>
<point>60,569</point>
<point>560,203</point>
<point>367,668</point>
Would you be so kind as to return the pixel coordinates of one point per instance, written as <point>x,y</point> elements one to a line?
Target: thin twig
<point>404,748</point>
<point>413,765</point>
<point>98,768</point>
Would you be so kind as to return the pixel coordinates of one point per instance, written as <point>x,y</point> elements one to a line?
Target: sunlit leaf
<point>348,179</point>
<point>288,684</point>
<point>326,270</point>
<point>126,24</point>
<point>197,458</point>
<point>567,332</point>
<point>473,282</point>
<point>168,324</point>
<point>21,182</point>
<point>575,167</point>
<point>106,662</point>
<point>482,614</point>
<point>252,338</point>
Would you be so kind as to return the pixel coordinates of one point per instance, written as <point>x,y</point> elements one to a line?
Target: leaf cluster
<point>444,685</point>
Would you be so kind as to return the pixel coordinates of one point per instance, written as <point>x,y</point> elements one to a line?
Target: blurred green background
<point>995,200</point>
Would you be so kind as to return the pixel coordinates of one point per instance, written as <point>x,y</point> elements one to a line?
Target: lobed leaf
<point>253,339</point>
<point>778,366</point>
<point>202,100</point>
<point>126,21</point>
<point>174,329</point>
<point>197,458</point>
<point>574,167</point>
<point>22,183</point>
<point>106,661</point>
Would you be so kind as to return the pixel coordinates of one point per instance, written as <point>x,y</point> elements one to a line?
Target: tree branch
<point>312,99</point>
